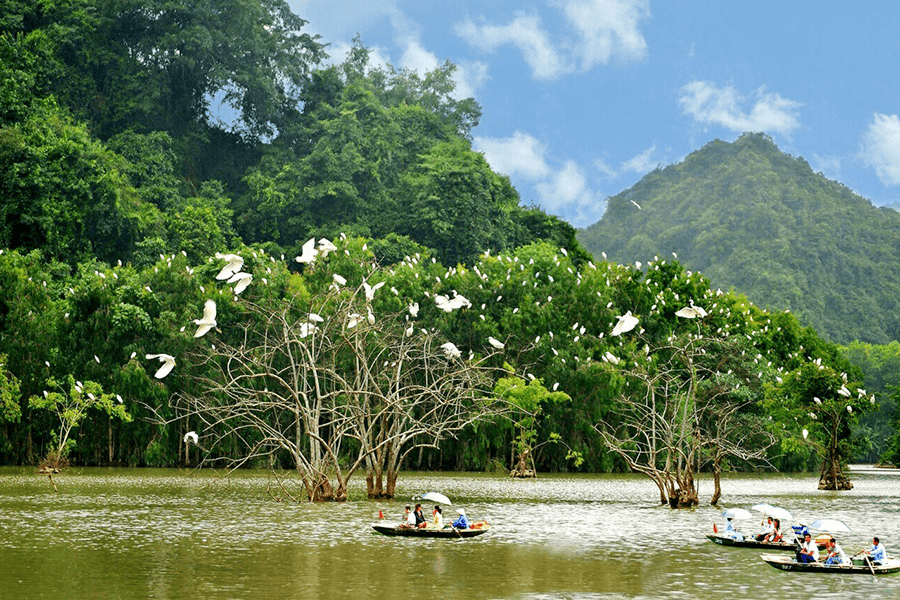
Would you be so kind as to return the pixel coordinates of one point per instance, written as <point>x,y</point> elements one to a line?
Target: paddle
<point>867,560</point>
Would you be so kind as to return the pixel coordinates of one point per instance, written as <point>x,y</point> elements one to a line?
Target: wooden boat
<point>751,543</point>
<point>859,567</point>
<point>446,532</point>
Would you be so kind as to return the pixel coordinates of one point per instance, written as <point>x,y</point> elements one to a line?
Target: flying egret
<point>353,320</point>
<point>208,321</point>
<point>626,323</point>
<point>308,252</point>
<point>495,343</point>
<point>168,363</point>
<point>192,437</point>
<point>325,246</point>
<point>636,204</point>
<point>234,264</point>
<point>691,312</point>
<point>370,290</point>
<point>241,281</point>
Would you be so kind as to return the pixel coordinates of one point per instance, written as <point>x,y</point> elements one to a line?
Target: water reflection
<point>168,534</point>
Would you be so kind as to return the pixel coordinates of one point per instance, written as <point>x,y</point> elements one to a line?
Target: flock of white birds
<point>312,251</point>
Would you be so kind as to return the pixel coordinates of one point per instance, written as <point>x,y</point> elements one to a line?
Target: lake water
<point>129,533</point>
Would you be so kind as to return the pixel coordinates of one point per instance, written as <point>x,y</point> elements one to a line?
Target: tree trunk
<point>717,480</point>
<point>832,477</point>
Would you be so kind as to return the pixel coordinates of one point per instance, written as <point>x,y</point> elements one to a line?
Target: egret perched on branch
<point>495,343</point>
<point>168,363</point>
<point>209,319</point>
<point>414,309</point>
<point>626,323</point>
<point>235,263</point>
<point>451,350</point>
<point>325,246</point>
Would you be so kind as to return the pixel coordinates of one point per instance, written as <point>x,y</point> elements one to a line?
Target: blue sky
<point>581,98</point>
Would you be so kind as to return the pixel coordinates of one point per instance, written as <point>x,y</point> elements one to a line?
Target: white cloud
<point>604,169</point>
<point>641,163</point>
<point>709,104</point>
<point>566,192</point>
<point>829,165</point>
<point>881,148</point>
<point>526,33</point>
<point>608,28</point>
<point>604,28</point>
<point>520,155</point>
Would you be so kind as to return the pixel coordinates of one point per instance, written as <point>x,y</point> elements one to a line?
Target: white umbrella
<point>781,514</point>
<point>829,525</point>
<point>437,497</point>
<point>737,513</point>
<point>763,508</point>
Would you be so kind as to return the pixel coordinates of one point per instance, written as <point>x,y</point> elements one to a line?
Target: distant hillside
<point>751,217</point>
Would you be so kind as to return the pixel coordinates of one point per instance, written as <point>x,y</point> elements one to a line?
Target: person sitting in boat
<point>876,555</point>
<point>731,532</point>
<point>438,522</point>
<point>462,522</point>
<point>775,534</point>
<point>809,551</point>
<point>834,553</point>
<point>419,516</point>
<point>410,519</point>
<point>768,527</point>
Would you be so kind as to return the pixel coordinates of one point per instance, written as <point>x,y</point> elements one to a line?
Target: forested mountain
<point>755,219</point>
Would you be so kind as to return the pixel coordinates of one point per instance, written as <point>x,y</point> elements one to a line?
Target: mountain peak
<point>753,218</point>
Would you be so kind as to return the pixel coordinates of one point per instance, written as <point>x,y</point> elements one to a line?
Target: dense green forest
<point>123,200</point>
<point>752,218</point>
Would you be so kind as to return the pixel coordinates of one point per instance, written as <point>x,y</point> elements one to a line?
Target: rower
<point>876,555</point>
<point>809,551</point>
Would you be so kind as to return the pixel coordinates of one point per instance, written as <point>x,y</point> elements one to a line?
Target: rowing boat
<point>786,563</point>
<point>446,532</point>
<point>751,543</point>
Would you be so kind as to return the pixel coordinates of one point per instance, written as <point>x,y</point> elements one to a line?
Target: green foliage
<point>9,393</point>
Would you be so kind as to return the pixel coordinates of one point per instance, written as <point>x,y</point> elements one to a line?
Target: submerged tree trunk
<point>717,480</point>
<point>832,476</point>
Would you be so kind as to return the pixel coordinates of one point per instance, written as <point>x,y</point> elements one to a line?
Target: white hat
<point>461,511</point>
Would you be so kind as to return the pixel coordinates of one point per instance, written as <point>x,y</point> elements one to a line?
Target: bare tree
<point>338,389</point>
<point>678,409</point>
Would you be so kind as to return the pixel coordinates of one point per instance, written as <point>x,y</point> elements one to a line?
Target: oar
<point>867,561</point>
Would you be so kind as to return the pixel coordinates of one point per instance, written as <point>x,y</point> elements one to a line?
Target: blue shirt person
<point>462,522</point>
<point>877,554</point>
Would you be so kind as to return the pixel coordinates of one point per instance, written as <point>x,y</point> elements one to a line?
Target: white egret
<point>234,264</point>
<point>208,321</point>
<point>414,309</point>
<point>353,320</point>
<point>805,434</point>
<point>307,329</point>
<point>241,281</point>
<point>844,391</point>
<point>168,363</point>
<point>626,323</point>
<point>636,204</point>
<point>325,247</point>
<point>191,436</point>
<point>314,318</point>
<point>370,317</point>
<point>338,279</point>
<point>691,312</point>
<point>451,350</point>
<point>370,290</point>
<point>495,343</point>
<point>307,252</point>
